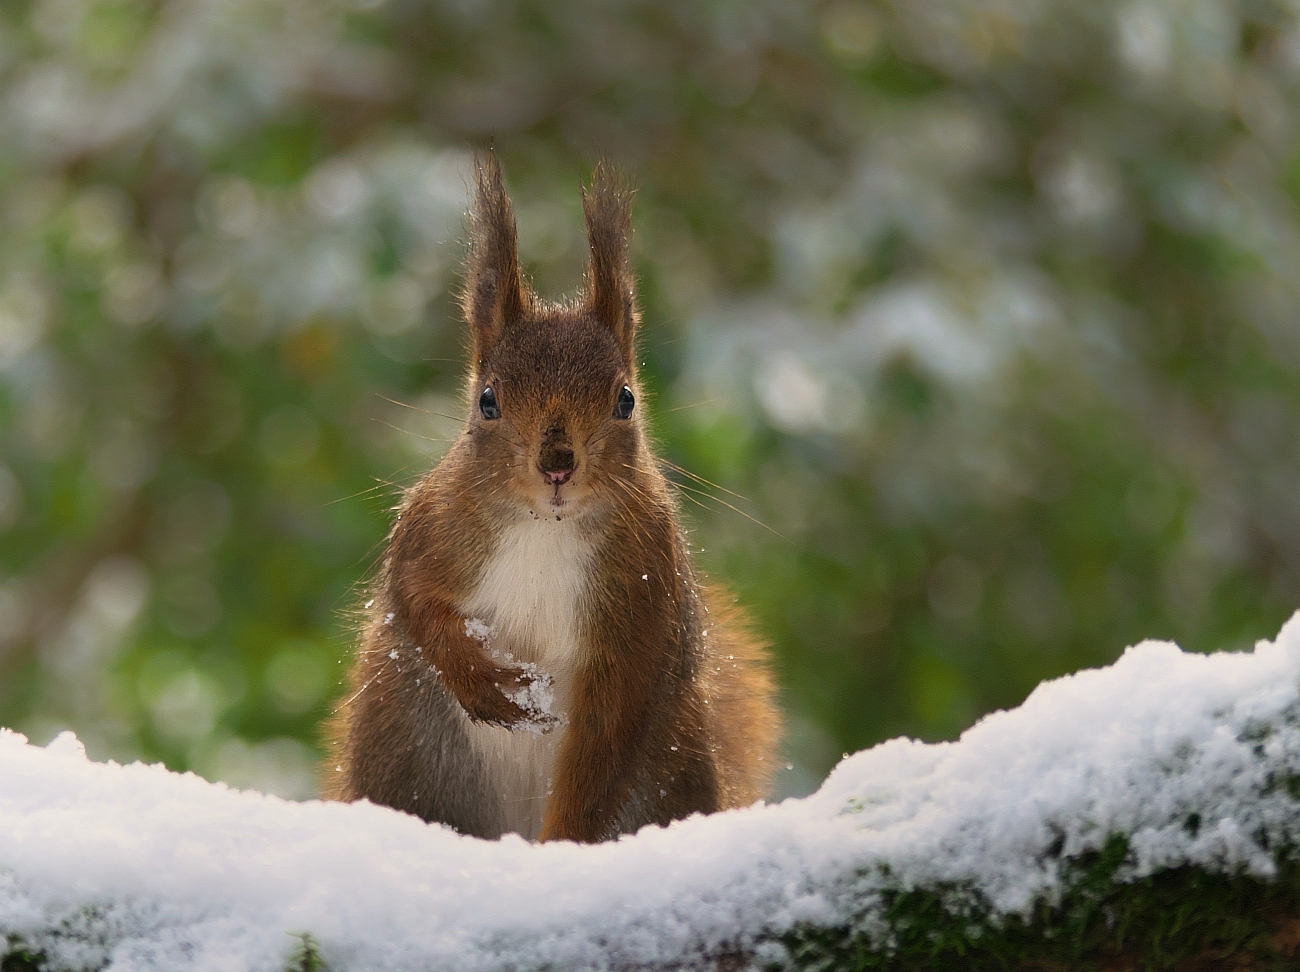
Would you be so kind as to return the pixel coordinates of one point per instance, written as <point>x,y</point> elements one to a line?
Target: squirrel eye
<point>626,401</point>
<point>487,404</point>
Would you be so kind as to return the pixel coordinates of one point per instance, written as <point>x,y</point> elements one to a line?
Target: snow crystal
<point>478,629</point>
<point>162,871</point>
<point>537,698</point>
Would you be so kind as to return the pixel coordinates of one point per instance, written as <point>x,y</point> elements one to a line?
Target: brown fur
<point>671,709</point>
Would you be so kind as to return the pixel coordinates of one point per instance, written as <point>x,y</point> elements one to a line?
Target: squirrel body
<point>539,656</point>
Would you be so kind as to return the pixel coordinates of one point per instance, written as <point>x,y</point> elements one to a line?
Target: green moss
<point>306,957</point>
<point>1164,921</point>
<point>20,960</point>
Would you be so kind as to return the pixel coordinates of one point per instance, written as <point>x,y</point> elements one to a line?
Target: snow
<point>478,629</point>
<point>535,695</point>
<point>136,868</point>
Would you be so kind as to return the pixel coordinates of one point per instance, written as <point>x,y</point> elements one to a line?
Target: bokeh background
<point>981,315</point>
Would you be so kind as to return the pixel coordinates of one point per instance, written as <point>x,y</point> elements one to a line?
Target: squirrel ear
<point>495,293</point>
<point>610,289</point>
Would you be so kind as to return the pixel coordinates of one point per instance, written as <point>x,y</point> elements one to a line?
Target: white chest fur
<point>530,595</point>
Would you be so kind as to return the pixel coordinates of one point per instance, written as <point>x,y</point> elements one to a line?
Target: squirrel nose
<point>557,465</point>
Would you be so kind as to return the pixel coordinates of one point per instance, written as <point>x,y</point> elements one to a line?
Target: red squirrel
<point>539,654</point>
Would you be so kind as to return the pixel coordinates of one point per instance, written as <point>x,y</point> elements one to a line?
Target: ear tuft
<point>610,290</point>
<point>495,293</point>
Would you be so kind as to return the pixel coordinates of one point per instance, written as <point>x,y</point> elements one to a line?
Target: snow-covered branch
<point>1102,787</point>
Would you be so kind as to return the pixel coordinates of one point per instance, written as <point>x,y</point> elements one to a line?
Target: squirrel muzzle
<point>556,461</point>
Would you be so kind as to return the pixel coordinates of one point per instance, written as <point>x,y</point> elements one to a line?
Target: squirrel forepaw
<point>515,698</point>
<point>520,696</point>
<point>535,697</point>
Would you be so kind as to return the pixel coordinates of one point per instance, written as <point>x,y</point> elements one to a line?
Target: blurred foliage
<point>981,315</point>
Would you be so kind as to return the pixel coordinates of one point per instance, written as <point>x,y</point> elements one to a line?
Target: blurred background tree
<point>986,309</point>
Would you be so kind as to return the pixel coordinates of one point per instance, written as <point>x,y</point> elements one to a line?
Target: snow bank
<point>141,869</point>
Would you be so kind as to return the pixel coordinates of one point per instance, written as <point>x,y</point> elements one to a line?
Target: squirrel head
<point>553,388</point>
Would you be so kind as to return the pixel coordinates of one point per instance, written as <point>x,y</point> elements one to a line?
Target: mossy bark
<point>1183,920</point>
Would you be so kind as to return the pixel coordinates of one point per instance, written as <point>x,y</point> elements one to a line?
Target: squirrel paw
<point>535,697</point>
<point>522,695</point>
<point>519,698</point>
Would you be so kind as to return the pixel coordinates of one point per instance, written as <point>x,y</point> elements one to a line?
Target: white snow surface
<point>138,868</point>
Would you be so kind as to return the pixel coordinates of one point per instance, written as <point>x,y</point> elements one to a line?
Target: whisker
<point>423,411</point>
<point>516,442</point>
<point>630,489</point>
<point>700,479</point>
<point>474,485</point>
<point>426,438</point>
<point>600,435</point>
<point>734,509</point>
<point>698,503</point>
<point>625,515</point>
<point>682,408</point>
<point>375,551</point>
<point>382,484</point>
<point>379,484</point>
<point>751,519</point>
